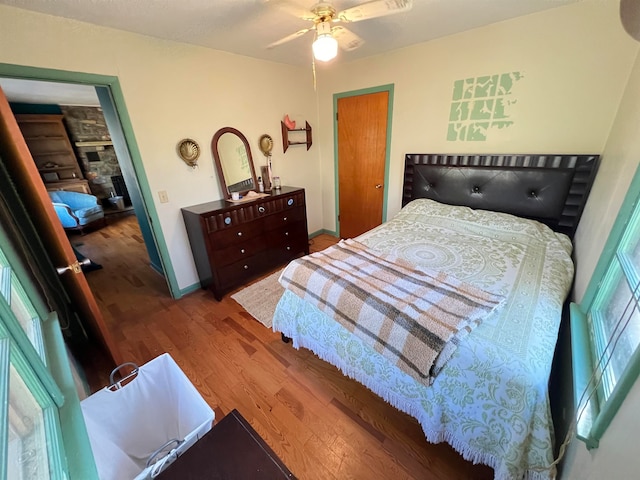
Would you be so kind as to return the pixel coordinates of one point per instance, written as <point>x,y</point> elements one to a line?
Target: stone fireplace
<point>97,158</point>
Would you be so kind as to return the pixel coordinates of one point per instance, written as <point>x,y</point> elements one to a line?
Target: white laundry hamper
<point>139,428</point>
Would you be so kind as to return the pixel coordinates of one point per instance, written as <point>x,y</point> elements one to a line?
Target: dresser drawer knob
<point>246,267</point>
<point>239,234</point>
<point>227,220</point>
<point>242,250</point>
<point>286,234</point>
<point>288,247</point>
<point>290,202</point>
<point>285,219</point>
<point>261,209</point>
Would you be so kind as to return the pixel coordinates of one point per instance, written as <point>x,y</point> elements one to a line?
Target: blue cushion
<point>76,209</point>
<point>87,212</point>
<point>75,200</point>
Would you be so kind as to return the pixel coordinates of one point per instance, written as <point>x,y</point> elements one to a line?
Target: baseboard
<point>323,231</point>
<point>188,290</point>
<point>157,268</point>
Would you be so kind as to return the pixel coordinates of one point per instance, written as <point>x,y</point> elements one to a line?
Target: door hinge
<point>336,116</point>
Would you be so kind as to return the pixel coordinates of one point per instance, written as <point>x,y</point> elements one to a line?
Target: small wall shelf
<point>285,136</point>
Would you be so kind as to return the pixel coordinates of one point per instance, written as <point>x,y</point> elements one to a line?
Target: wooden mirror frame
<point>253,185</point>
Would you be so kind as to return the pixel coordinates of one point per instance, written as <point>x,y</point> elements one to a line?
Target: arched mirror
<point>233,160</point>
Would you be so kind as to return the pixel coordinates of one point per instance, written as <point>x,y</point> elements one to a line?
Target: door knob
<point>75,267</point>
<point>378,186</point>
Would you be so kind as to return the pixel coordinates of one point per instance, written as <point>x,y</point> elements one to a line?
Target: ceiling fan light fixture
<point>325,47</point>
<point>328,38</point>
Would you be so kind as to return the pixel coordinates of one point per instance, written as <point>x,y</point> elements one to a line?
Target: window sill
<point>582,372</point>
<point>596,416</point>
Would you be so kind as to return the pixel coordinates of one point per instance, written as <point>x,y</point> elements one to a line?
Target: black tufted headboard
<point>549,188</point>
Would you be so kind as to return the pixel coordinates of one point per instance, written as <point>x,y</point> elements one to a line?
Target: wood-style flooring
<point>322,424</point>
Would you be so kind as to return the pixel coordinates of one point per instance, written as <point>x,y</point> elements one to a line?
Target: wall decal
<point>479,104</point>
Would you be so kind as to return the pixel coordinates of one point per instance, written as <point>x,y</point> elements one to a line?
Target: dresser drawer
<point>232,235</point>
<point>233,218</point>
<point>292,200</point>
<point>288,241</point>
<point>288,233</point>
<point>281,203</point>
<point>238,251</point>
<point>286,217</point>
<point>235,274</point>
<point>288,251</point>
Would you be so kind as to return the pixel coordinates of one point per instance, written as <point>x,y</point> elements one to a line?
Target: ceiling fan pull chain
<point>313,68</point>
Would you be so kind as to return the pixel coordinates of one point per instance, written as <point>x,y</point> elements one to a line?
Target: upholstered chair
<point>76,211</point>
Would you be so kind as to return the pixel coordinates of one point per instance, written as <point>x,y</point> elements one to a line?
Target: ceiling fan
<point>328,37</point>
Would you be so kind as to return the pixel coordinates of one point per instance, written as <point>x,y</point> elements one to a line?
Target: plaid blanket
<point>413,317</point>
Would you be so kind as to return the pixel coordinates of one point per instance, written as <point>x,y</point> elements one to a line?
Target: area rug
<point>260,298</point>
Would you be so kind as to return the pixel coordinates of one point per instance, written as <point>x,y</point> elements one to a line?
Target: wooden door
<point>21,167</point>
<point>362,146</point>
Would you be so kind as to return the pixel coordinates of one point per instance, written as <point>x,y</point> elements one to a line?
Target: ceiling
<point>34,91</point>
<point>246,27</point>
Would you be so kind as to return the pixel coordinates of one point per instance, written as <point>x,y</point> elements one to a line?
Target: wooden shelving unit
<point>285,136</point>
<point>52,152</point>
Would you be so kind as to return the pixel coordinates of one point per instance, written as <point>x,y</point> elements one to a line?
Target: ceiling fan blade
<point>346,38</point>
<point>292,8</point>
<point>630,17</point>
<point>288,38</point>
<point>376,8</point>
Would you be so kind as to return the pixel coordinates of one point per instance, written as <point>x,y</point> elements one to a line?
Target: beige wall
<point>620,159</point>
<point>173,91</point>
<point>617,455</point>
<point>575,61</point>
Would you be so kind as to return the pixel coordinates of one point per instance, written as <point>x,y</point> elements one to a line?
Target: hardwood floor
<point>321,424</point>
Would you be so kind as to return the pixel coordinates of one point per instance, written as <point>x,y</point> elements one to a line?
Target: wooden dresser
<point>233,243</point>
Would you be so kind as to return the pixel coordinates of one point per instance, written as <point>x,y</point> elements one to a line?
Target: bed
<point>502,224</point>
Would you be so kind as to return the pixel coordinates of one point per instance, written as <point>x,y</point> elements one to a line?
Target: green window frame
<point>605,326</point>
<point>42,431</point>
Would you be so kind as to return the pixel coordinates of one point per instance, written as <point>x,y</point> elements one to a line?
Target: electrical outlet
<point>162,195</point>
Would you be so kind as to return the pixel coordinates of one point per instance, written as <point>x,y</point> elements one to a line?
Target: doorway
<point>91,126</point>
<point>362,132</point>
<point>111,101</point>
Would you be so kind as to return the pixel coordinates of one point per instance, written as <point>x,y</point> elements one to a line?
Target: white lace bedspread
<point>490,402</point>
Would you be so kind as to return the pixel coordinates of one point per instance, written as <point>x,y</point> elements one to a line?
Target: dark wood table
<point>232,449</point>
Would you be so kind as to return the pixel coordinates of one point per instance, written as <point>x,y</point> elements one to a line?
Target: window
<point>40,416</point>
<point>606,326</point>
